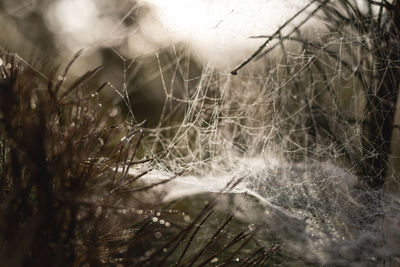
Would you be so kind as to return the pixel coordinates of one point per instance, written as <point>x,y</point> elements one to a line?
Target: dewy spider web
<point>294,127</point>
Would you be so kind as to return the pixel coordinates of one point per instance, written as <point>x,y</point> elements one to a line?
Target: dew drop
<point>61,78</point>
<point>33,105</point>
<point>98,212</point>
<point>162,222</point>
<point>164,250</point>
<point>92,94</point>
<point>123,139</point>
<point>237,259</point>
<point>1,62</point>
<point>101,141</point>
<point>158,214</point>
<point>8,66</point>
<point>167,224</point>
<point>113,112</point>
<point>214,260</point>
<point>126,232</point>
<point>186,218</point>
<point>155,219</point>
<point>99,105</point>
<point>252,227</point>
<point>139,211</point>
<point>158,235</point>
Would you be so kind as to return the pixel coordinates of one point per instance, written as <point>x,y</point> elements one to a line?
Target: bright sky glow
<point>218,30</point>
<point>81,23</point>
<point>75,15</point>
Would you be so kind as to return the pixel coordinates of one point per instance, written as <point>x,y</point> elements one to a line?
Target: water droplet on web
<point>33,105</point>
<point>158,214</point>
<point>162,222</point>
<point>123,139</point>
<point>139,211</point>
<point>167,224</point>
<point>114,112</point>
<point>1,62</point>
<point>101,141</point>
<point>99,105</point>
<point>187,218</point>
<point>252,227</point>
<point>98,212</point>
<point>155,219</point>
<point>8,66</point>
<point>214,260</point>
<point>237,259</point>
<point>158,235</point>
<point>61,78</point>
<point>92,94</point>
<point>164,250</point>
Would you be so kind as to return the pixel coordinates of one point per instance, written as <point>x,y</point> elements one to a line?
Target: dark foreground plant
<point>67,196</point>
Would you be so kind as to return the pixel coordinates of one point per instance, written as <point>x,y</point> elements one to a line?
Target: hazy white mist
<point>218,31</point>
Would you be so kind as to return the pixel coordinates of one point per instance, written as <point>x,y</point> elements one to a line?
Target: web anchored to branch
<point>311,130</point>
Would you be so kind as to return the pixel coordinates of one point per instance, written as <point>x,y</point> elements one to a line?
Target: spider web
<point>292,127</point>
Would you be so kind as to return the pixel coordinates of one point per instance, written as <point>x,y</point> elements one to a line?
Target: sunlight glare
<point>218,30</point>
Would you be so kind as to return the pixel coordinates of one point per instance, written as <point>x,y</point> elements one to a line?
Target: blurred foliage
<point>107,31</point>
